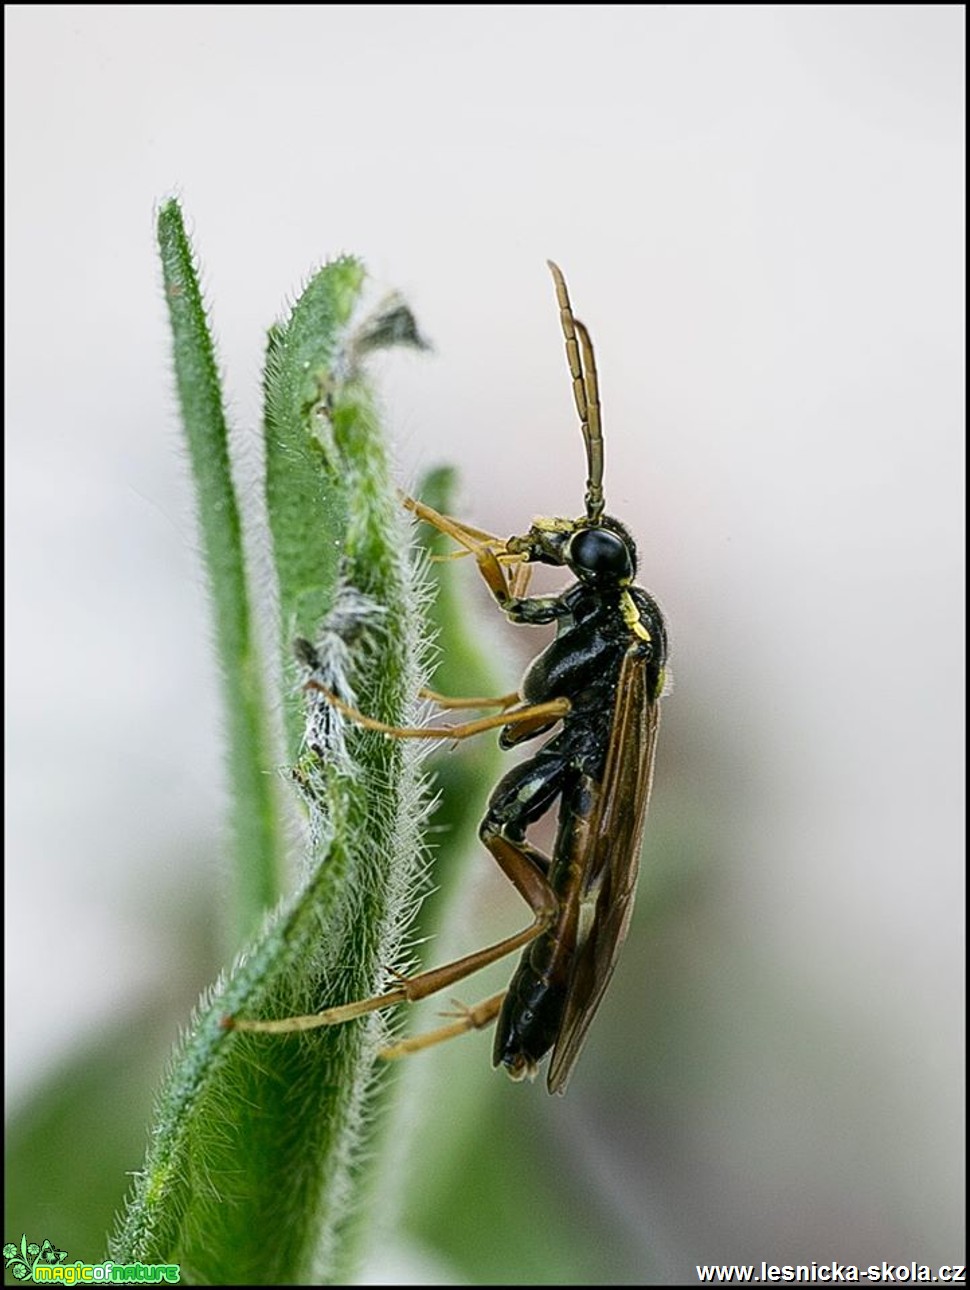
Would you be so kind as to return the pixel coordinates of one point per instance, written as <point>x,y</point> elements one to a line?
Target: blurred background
<point>759,210</point>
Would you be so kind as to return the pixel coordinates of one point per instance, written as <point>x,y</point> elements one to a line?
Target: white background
<point>760,214</point>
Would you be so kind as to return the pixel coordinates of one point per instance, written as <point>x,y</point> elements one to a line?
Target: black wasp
<point>597,688</point>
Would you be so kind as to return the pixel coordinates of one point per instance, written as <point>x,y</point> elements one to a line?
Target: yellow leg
<point>447,701</point>
<point>487,549</point>
<point>552,710</point>
<point>465,535</point>
<point>519,582</point>
<point>477,1017</point>
<point>411,989</point>
<point>524,868</point>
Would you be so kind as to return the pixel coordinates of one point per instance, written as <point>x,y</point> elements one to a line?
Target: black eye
<point>598,551</point>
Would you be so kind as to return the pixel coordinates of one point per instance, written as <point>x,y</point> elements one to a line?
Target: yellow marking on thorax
<point>552,524</point>
<point>631,616</point>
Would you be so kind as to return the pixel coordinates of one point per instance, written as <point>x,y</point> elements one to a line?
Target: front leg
<point>465,535</point>
<point>536,610</point>
<point>487,548</point>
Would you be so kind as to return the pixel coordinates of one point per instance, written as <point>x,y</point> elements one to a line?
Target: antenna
<point>582,368</point>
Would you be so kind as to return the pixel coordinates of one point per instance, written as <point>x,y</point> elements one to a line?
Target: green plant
<point>255,1157</point>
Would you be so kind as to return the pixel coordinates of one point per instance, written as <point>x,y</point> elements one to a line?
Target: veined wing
<point>614,858</point>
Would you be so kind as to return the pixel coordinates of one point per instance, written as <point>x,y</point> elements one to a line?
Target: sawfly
<point>595,692</point>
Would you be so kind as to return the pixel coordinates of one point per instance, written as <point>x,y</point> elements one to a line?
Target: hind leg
<point>521,797</point>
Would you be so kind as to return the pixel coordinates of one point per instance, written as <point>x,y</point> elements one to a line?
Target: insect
<point>595,691</point>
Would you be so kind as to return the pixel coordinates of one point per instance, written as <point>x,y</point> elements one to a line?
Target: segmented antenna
<point>582,368</point>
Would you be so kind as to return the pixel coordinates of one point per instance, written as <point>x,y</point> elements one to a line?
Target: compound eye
<point>598,551</point>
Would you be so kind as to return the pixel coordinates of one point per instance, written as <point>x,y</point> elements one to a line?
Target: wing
<point>614,858</point>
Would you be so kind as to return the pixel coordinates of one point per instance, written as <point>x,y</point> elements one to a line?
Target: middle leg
<point>549,712</point>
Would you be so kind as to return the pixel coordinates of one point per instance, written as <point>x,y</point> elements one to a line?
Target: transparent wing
<point>614,859</point>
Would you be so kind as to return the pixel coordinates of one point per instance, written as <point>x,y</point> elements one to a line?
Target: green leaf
<point>254,1168</point>
<point>250,755</point>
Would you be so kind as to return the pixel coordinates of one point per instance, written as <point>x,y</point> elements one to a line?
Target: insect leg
<point>549,711</point>
<point>522,795</point>
<point>477,1017</point>
<point>518,865</point>
<point>447,701</point>
<point>509,591</point>
<point>519,582</point>
<point>465,535</point>
<point>487,549</point>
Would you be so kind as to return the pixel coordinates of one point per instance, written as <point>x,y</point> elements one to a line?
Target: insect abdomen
<point>530,1019</point>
